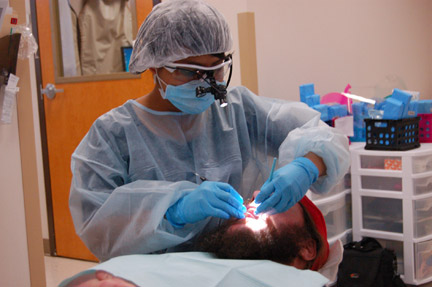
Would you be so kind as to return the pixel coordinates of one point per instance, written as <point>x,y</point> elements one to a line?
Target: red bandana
<point>320,225</point>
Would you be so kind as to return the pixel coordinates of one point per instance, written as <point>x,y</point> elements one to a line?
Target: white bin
<point>381,213</point>
<point>422,209</point>
<point>423,259</point>
<point>422,163</point>
<point>337,213</point>
<point>379,162</point>
<point>344,237</point>
<point>381,183</point>
<point>422,185</point>
<point>343,186</point>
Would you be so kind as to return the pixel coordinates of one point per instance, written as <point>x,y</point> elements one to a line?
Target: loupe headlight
<point>217,90</point>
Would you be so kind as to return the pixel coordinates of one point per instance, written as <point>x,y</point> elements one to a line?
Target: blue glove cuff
<point>309,167</point>
<point>173,217</point>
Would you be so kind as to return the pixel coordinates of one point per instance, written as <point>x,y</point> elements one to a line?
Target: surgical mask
<point>184,98</point>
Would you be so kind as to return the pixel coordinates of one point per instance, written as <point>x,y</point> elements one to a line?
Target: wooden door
<point>68,117</point>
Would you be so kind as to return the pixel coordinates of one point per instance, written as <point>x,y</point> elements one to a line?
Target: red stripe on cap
<point>320,225</point>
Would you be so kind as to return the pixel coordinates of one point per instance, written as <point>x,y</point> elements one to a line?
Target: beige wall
<point>373,45</point>
<point>13,242</point>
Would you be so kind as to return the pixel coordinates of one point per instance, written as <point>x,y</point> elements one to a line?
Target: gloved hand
<point>289,184</point>
<point>211,198</point>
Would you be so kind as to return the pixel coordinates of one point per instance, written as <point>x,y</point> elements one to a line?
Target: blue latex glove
<point>211,198</point>
<point>288,186</point>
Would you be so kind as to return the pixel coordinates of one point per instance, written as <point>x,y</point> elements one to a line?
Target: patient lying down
<point>296,237</point>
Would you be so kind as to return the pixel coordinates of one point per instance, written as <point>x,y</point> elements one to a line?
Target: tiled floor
<point>58,268</point>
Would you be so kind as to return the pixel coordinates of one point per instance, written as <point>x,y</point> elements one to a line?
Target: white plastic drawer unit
<point>381,183</point>
<point>423,259</point>
<point>337,213</point>
<point>381,213</point>
<point>392,200</point>
<point>422,209</point>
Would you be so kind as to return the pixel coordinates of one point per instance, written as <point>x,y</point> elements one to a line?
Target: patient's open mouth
<point>253,221</point>
<point>250,213</point>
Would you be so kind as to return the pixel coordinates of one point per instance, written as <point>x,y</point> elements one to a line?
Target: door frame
<point>49,247</point>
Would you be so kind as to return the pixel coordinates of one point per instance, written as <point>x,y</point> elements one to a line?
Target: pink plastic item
<point>425,128</point>
<point>338,98</point>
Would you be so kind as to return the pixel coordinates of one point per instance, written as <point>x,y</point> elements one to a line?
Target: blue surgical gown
<point>134,163</point>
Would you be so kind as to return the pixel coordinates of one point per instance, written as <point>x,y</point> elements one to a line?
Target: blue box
<point>404,98</point>
<point>393,109</point>
<point>306,90</point>
<point>323,109</point>
<point>424,107</point>
<point>313,100</point>
<point>337,111</point>
<point>413,109</point>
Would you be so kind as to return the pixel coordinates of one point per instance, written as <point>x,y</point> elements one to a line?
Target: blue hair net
<point>176,30</point>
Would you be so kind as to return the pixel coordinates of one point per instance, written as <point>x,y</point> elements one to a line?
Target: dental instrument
<point>272,169</point>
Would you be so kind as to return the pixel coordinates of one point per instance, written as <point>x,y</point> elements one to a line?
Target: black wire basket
<point>397,135</point>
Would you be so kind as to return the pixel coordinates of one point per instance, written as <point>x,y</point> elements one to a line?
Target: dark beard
<point>281,247</point>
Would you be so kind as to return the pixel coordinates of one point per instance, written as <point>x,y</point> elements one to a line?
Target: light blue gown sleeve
<point>116,217</point>
<point>324,141</point>
<point>294,129</point>
<point>317,137</point>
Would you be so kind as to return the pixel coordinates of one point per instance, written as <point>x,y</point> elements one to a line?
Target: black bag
<point>366,263</point>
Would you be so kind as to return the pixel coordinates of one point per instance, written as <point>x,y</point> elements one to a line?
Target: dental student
<point>153,174</point>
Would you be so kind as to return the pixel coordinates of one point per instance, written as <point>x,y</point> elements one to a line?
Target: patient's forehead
<point>281,221</point>
<point>293,216</point>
